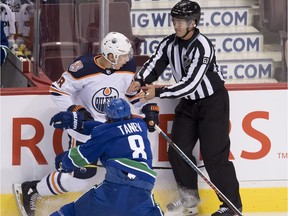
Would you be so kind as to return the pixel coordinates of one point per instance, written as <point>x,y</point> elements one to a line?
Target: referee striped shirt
<point>193,65</point>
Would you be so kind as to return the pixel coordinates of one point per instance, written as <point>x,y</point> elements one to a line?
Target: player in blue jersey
<point>123,147</point>
<point>88,83</point>
<point>4,44</point>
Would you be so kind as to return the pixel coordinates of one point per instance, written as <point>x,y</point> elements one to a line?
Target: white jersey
<point>8,18</point>
<point>90,85</point>
<point>25,14</point>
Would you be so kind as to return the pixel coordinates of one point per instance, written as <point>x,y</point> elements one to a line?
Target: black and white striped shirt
<point>193,64</point>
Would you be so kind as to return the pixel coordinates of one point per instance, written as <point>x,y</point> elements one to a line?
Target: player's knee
<point>85,173</point>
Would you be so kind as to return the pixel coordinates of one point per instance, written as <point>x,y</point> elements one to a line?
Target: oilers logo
<point>101,97</point>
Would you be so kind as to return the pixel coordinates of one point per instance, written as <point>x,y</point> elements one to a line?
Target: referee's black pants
<point>207,120</point>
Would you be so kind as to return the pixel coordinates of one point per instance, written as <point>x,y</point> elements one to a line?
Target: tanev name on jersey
<point>130,128</point>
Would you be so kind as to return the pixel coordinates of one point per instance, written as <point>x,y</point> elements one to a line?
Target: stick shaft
<point>198,171</point>
<point>154,167</point>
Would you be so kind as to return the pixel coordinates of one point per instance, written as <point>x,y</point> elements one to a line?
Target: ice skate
<point>26,195</point>
<point>17,190</point>
<point>224,211</point>
<point>178,208</point>
<point>186,205</point>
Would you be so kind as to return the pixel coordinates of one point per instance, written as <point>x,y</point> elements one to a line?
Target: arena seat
<point>56,65</point>
<point>58,23</point>
<point>58,36</point>
<point>273,15</point>
<point>119,20</point>
<point>273,25</point>
<point>284,45</point>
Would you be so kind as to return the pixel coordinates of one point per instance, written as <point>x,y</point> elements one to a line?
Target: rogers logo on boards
<point>18,142</point>
<point>264,140</point>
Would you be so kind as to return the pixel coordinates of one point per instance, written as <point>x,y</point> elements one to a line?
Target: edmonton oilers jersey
<point>90,85</point>
<point>123,145</point>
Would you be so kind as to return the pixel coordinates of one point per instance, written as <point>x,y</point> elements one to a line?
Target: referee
<point>202,113</point>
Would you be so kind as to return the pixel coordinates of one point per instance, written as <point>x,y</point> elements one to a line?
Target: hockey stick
<point>198,171</point>
<point>154,167</point>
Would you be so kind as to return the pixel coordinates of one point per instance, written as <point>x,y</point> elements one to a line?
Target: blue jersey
<point>123,145</point>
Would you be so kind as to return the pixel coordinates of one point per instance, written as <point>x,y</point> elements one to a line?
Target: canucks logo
<point>101,97</point>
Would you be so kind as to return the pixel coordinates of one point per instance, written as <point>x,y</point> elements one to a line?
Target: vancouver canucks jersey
<point>88,84</point>
<point>123,145</point>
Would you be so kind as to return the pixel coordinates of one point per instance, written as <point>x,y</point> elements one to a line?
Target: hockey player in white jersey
<point>8,19</point>
<point>86,86</point>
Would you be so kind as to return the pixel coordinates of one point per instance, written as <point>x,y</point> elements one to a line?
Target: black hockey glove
<point>58,163</point>
<point>78,108</point>
<point>68,120</point>
<point>151,112</point>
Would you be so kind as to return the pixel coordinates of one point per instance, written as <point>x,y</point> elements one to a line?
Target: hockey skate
<point>186,205</point>
<point>224,211</point>
<point>26,195</point>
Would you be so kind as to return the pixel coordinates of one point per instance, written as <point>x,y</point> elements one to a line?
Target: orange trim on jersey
<point>134,97</point>
<point>96,57</point>
<point>125,72</point>
<point>99,73</point>
<point>73,142</point>
<point>84,77</point>
<point>52,89</point>
<point>95,61</point>
<point>53,180</point>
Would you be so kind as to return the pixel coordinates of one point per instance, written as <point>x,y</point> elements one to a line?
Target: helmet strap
<point>189,22</point>
<point>187,32</point>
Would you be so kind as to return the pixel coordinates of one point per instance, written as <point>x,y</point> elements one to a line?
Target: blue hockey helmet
<point>117,109</point>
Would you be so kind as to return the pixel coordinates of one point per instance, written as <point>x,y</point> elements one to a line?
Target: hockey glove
<point>78,108</point>
<point>67,120</point>
<point>151,118</point>
<point>58,163</point>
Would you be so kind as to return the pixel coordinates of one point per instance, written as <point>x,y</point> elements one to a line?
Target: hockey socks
<point>58,183</point>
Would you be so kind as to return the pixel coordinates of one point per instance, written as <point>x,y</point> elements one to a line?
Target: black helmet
<point>186,9</point>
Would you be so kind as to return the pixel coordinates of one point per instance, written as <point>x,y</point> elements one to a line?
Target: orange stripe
<point>84,77</point>
<point>134,97</point>
<point>73,142</point>
<point>100,73</point>
<point>54,184</point>
<point>96,57</point>
<point>125,72</point>
<point>57,91</point>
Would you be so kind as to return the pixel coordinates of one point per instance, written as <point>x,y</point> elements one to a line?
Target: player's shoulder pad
<point>83,66</point>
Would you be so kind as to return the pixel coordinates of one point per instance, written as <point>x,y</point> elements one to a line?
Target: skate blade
<point>17,190</point>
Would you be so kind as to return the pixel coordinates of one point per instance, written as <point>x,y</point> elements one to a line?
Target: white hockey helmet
<point>116,44</point>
